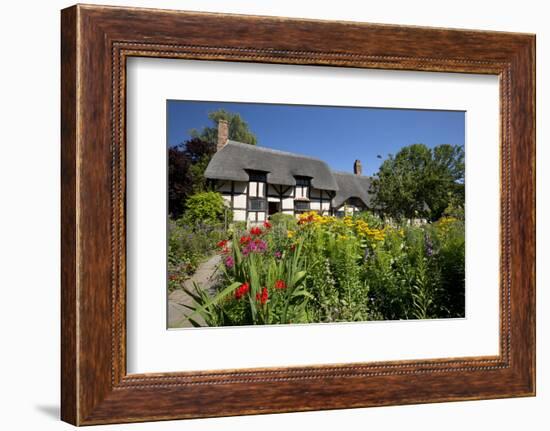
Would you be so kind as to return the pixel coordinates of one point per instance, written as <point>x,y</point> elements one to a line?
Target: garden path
<point>204,276</point>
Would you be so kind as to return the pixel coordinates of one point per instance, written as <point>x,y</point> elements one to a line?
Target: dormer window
<point>302,187</point>
<point>257,191</point>
<point>257,176</point>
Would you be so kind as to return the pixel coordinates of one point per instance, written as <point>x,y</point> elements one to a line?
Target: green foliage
<point>187,162</point>
<point>455,209</point>
<point>274,290</point>
<point>419,182</point>
<point>448,234</point>
<point>199,182</point>
<point>186,165</point>
<point>287,221</point>
<point>373,220</point>
<point>205,208</point>
<point>238,128</point>
<point>187,247</point>
<point>325,269</point>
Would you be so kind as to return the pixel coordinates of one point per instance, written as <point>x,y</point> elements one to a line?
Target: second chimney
<point>357,169</point>
<point>223,134</point>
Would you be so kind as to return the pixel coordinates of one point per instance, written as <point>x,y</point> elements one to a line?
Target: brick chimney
<point>357,169</point>
<point>223,134</point>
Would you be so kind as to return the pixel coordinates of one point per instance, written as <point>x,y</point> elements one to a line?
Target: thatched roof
<point>234,160</point>
<point>352,186</point>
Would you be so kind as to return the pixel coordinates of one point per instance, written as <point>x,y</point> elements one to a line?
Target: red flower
<point>263,297</point>
<point>222,244</point>
<point>241,290</point>
<point>256,231</point>
<point>245,239</point>
<point>293,247</point>
<point>267,225</point>
<point>280,284</point>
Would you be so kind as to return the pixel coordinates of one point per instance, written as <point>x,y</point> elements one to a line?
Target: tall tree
<point>186,165</point>
<point>188,161</point>
<point>420,182</point>
<point>179,181</point>
<point>238,128</point>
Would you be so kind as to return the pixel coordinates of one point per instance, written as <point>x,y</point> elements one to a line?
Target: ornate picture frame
<point>96,41</point>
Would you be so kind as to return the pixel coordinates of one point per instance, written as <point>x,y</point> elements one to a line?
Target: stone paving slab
<point>205,277</point>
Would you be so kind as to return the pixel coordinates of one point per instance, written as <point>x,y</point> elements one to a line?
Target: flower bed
<point>328,269</point>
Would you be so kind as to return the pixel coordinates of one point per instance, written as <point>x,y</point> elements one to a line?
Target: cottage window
<point>302,181</point>
<point>302,187</point>
<point>257,186</point>
<point>256,204</point>
<point>301,206</point>
<point>257,176</point>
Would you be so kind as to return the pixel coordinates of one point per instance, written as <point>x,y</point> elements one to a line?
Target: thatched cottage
<point>257,182</point>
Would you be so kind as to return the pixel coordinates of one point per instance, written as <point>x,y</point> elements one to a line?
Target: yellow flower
<point>290,234</point>
<point>444,223</point>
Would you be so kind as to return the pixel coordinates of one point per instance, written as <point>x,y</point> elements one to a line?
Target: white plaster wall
<point>239,215</point>
<point>253,189</point>
<point>288,203</point>
<point>227,199</point>
<point>239,201</point>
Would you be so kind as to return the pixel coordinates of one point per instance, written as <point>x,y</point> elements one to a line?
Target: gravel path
<point>205,277</point>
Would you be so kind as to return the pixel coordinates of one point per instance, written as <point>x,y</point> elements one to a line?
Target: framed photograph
<point>323,214</point>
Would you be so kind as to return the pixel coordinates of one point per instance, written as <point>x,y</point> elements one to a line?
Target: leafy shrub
<point>448,234</point>
<point>205,208</point>
<point>187,247</point>
<point>286,221</point>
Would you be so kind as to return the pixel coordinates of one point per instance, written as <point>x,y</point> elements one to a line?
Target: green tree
<point>420,182</point>
<point>238,128</point>
<point>180,181</point>
<point>186,165</point>
<point>204,208</point>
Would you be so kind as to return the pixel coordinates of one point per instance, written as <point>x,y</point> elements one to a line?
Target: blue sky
<point>336,135</point>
